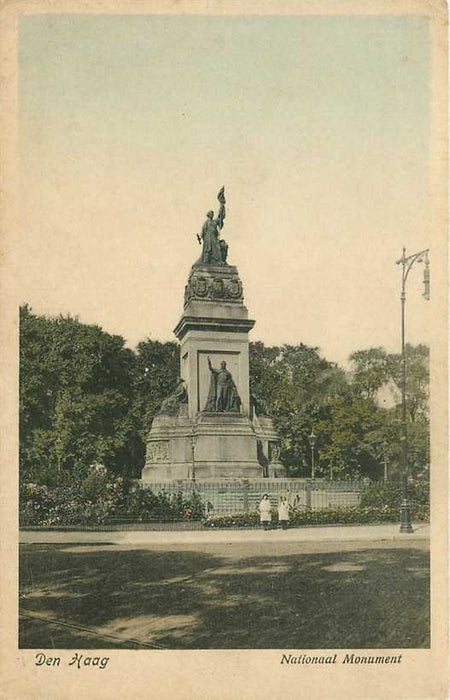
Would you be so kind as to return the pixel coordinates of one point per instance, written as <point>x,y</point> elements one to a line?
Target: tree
<point>349,449</point>
<point>157,370</point>
<point>303,391</point>
<point>85,397</point>
<point>371,370</point>
<point>76,390</point>
<point>298,386</point>
<point>417,379</point>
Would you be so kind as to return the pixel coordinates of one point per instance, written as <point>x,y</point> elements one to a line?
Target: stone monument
<point>210,427</point>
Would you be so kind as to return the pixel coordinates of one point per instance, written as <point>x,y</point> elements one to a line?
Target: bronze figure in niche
<point>223,394</point>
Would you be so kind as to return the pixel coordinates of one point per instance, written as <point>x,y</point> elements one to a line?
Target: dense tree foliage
<point>85,397</point>
<point>386,370</point>
<point>371,370</point>
<point>356,437</point>
<point>157,370</point>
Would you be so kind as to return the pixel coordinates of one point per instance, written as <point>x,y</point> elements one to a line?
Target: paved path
<point>349,533</point>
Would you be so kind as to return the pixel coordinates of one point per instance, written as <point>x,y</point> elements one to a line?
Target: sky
<point>318,126</point>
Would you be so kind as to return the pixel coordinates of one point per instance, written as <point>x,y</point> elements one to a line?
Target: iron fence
<point>241,496</point>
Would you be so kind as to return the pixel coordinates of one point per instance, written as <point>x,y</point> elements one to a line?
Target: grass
<point>224,596</point>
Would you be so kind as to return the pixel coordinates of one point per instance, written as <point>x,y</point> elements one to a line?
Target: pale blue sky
<point>317,126</point>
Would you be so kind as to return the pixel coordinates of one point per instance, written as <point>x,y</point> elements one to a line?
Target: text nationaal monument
<point>211,408</point>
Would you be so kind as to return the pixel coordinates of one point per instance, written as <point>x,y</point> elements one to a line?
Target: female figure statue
<point>214,250</point>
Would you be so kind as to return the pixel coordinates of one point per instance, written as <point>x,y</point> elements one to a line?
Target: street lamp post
<point>407,262</point>
<point>193,441</point>
<point>312,442</point>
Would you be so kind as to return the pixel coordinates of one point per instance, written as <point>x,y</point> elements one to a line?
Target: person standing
<point>265,511</point>
<point>283,512</point>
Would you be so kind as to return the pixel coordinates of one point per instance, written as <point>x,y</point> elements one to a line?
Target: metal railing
<point>241,496</point>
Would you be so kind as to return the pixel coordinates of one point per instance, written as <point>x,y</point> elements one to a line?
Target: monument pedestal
<point>215,444</point>
<point>214,324</point>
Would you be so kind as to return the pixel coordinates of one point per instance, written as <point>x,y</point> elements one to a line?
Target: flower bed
<point>354,515</point>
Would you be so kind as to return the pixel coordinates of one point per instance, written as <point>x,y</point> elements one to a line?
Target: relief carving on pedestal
<point>233,289</point>
<point>213,288</point>
<point>216,289</point>
<point>158,451</point>
<point>200,286</point>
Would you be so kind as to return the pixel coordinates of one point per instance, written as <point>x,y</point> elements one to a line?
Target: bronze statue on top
<point>215,250</point>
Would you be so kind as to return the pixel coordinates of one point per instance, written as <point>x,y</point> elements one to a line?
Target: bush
<point>250,519</point>
<point>94,485</point>
<point>326,516</point>
<point>143,504</point>
<point>98,499</point>
<point>388,493</point>
<point>354,515</point>
<point>69,504</point>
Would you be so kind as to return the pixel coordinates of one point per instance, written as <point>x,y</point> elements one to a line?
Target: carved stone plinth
<point>214,324</point>
<point>213,282</point>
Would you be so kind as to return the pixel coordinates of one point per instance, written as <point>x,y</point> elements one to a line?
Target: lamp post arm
<point>408,262</point>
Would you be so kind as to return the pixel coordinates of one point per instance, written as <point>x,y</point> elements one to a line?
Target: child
<point>283,512</point>
<point>264,511</point>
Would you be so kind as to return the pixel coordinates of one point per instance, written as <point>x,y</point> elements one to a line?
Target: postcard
<point>224,349</point>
